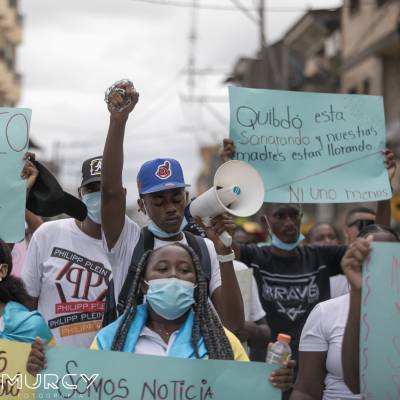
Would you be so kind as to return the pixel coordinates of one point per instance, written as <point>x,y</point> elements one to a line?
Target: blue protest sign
<point>14,141</point>
<point>111,375</point>
<point>312,147</point>
<point>380,323</point>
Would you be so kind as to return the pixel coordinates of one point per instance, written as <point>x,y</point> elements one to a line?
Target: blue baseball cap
<point>160,174</point>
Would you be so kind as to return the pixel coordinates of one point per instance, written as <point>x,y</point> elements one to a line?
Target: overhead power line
<point>245,11</point>
<point>209,6</point>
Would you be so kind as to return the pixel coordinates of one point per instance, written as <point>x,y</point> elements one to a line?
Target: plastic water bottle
<point>280,351</point>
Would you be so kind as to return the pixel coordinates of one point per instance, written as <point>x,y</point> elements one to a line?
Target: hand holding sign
<point>353,259</point>
<point>37,358</point>
<point>228,150</point>
<point>390,163</point>
<point>29,172</point>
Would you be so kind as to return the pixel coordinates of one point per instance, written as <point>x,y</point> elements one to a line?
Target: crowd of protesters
<point>98,280</point>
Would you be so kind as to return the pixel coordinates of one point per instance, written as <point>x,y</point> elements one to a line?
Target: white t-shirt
<point>69,272</point>
<point>339,285</point>
<point>256,310</point>
<point>324,331</point>
<point>120,256</point>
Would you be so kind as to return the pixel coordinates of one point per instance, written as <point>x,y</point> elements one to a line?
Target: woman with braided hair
<point>171,291</point>
<point>175,321</point>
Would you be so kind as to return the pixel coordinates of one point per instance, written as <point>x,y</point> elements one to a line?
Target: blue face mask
<point>276,242</point>
<point>93,205</point>
<point>170,298</point>
<point>158,232</point>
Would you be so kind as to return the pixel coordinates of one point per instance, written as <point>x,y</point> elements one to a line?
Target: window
<point>354,6</point>
<point>352,90</point>
<point>366,86</point>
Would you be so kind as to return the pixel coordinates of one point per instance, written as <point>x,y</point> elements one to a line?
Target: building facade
<point>352,49</point>
<point>371,55</point>
<point>10,38</point>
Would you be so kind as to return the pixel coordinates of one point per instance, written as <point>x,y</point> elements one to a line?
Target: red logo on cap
<point>164,170</point>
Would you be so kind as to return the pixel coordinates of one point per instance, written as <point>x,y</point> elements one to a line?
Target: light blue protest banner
<point>380,323</point>
<point>312,147</point>
<point>14,141</point>
<point>87,374</point>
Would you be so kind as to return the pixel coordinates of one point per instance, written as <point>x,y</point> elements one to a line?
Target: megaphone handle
<point>226,239</point>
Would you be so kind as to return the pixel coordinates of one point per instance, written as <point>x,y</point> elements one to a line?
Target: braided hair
<point>206,323</point>
<point>11,287</point>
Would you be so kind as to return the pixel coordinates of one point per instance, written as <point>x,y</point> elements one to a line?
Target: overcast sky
<point>73,50</point>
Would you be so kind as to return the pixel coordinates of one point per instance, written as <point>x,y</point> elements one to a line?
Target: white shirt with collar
<point>151,343</point>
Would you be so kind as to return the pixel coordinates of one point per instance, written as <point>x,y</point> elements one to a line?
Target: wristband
<point>226,257</point>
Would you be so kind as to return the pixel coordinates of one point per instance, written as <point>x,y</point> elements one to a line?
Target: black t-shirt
<point>290,287</point>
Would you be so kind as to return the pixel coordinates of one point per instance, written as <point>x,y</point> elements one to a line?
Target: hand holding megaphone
<point>238,190</point>
<point>216,227</point>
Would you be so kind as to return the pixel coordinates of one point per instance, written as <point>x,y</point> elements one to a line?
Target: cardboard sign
<point>312,147</point>
<point>380,323</point>
<point>88,374</point>
<point>14,142</point>
<point>15,382</point>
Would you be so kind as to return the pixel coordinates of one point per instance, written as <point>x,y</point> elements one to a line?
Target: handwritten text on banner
<point>312,147</point>
<point>129,376</point>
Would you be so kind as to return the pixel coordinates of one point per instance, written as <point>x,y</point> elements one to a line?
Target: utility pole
<point>192,51</point>
<point>261,11</point>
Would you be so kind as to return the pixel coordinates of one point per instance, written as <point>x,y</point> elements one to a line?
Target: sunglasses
<point>361,224</point>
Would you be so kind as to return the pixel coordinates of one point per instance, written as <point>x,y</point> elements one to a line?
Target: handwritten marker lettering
<point>312,147</point>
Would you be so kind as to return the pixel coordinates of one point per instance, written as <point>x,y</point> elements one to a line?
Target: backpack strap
<point>198,244</point>
<point>145,243</point>
<point>110,311</point>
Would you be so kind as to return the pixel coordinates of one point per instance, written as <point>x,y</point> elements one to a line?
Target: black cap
<point>48,199</point>
<point>91,170</point>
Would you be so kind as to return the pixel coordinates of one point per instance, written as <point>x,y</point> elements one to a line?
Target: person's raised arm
<point>227,299</point>
<point>351,265</point>
<point>121,99</point>
<point>383,211</point>
<point>30,173</point>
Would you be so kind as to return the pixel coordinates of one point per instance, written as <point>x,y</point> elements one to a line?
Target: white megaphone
<point>238,189</point>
